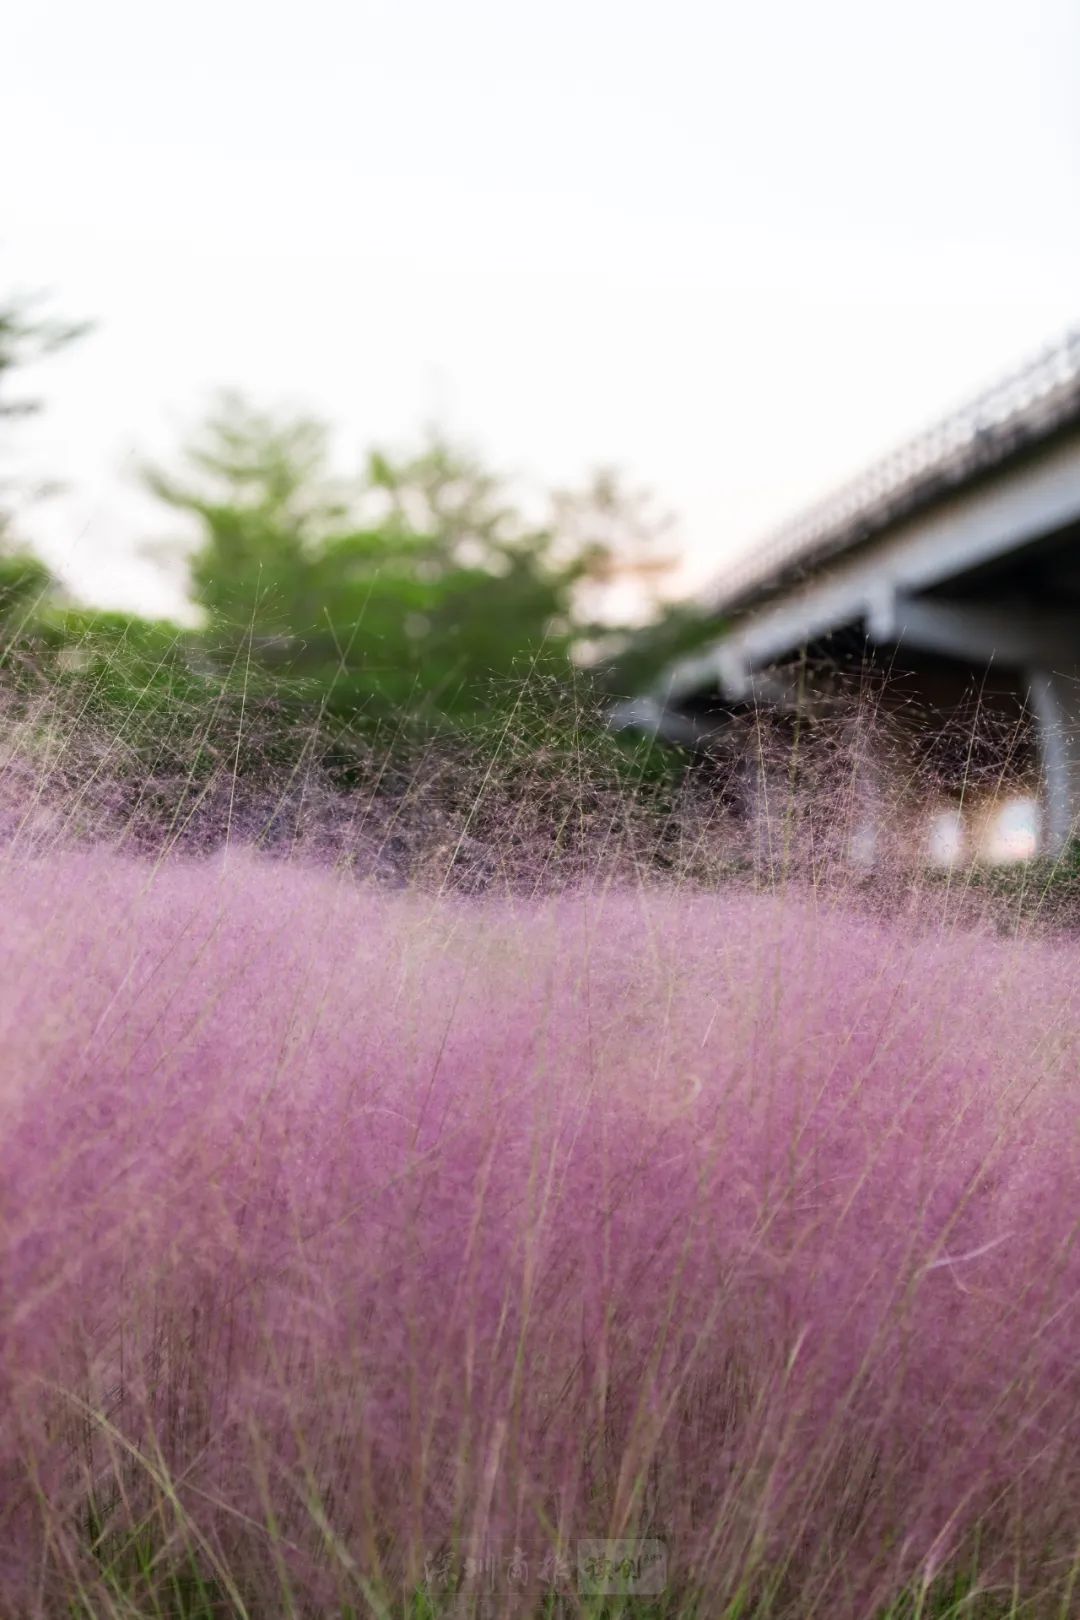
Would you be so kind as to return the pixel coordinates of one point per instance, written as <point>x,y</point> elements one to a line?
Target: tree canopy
<point>423,589</point>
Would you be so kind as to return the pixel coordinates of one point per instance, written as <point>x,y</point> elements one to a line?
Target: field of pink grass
<point>367,1253</point>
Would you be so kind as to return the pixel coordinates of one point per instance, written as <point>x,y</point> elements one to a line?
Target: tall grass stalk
<point>390,1208</point>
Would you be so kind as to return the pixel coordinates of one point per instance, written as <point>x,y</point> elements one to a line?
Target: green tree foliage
<point>25,584</point>
<point>634,659</point>
<point>423,594</point>
<point>26,336</point>
<point>342,622</point>
<point>27,588</point>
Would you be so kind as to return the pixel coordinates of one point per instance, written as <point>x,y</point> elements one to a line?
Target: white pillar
<point>1055,703</point>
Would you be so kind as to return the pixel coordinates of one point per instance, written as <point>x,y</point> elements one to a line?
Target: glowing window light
<point>1012,834</point>
<point>945,838</point>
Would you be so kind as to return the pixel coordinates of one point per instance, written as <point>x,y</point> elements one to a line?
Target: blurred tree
<point>630,662</point>
<point>25,337</point>
<point>625,538</point>
<point>421,593</point>
<point>259,488</point>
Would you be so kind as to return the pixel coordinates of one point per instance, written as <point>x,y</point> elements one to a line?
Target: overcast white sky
<point>736,249</point>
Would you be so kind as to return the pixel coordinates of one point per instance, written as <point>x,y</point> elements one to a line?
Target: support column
<point>1055,703</point>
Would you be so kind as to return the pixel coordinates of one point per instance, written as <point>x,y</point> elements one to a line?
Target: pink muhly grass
<point>345,1233</point>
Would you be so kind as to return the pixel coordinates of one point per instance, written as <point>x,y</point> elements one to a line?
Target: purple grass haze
<point>344,1233</point>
